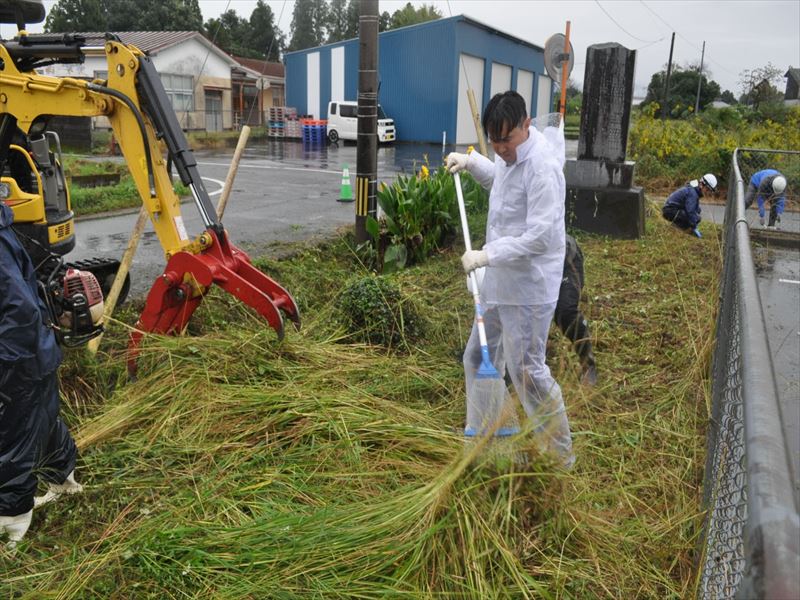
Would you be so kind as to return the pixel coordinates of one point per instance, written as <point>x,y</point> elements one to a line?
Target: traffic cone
<point>346,195</point>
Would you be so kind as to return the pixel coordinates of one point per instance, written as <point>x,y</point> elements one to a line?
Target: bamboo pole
<point>237,156</point>
<point>124,267</point>
<point>477,120</point>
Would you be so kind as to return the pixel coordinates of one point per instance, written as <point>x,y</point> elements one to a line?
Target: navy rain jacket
<point>34,441</point>
<point>26,344</point>
<point>686,199</point>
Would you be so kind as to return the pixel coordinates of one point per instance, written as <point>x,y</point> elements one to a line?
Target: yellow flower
<point>424,172</point>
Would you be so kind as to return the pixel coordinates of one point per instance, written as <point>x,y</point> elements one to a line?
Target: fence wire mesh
<point>741,556</point>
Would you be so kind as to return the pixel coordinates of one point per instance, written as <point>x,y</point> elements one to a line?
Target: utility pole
<point>699,80</point>
<point>367,149</point>
<point>664,106</point>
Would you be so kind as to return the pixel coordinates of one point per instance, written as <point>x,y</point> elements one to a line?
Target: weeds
<point>240,467</point>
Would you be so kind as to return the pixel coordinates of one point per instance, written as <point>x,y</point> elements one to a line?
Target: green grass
<point>241,467</point>
<point>89,201</point>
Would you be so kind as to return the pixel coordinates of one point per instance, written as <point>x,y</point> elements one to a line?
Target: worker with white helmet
<point>767,185</point>
<point>682,208</point>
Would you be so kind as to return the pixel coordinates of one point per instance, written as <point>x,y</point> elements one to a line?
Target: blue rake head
<point>486,370</point>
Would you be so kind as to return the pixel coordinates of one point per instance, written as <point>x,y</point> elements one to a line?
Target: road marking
<point>221,185</point>
<point>794,281</point>
<point>246,166</point>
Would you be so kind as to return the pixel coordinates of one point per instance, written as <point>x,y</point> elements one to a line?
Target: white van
<point>343,122</point>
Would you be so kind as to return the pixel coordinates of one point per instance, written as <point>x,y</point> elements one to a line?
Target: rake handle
<point>472,277</point>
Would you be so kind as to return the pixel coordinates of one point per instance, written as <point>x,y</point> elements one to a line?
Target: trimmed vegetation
<point>670,152</point>
<point>104,198</point>
<point>324,467</point>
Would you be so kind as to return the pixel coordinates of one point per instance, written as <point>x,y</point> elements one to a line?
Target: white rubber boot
<point>55,491</point>
<point>16,527</point>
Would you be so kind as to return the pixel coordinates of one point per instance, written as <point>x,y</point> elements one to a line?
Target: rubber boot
<point>16,527</point>
<point>55,491</point>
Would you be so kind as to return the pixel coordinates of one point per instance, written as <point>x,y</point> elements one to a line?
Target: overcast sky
<point>739,34</point>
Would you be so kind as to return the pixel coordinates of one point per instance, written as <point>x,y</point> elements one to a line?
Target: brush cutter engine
<point>75,303</point>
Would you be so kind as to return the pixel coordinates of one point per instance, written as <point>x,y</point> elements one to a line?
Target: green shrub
<point>373,310</point>
<point>420,216</point>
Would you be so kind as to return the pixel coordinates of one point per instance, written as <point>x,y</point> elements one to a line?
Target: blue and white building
<point>424,73</point>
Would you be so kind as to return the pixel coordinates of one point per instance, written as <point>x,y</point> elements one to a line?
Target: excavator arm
<point>138,109</point>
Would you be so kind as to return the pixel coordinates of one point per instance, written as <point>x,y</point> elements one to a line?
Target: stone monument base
<point>614,212</point>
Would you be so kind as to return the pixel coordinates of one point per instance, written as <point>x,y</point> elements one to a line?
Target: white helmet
<point>779,184</point>
<point>711,181</point>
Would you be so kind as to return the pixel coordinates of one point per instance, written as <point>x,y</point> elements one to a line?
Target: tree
<point>76,15</point>
<point>384,21</point>
<point>759,85</point>
<point>338,21</point>
<point>230,32</point>
<point>682,90</point>
<point>124,15</point>
<point>153,15</point>
<point>308,24</point>
<point>727,96</point>
<point>265,37</point>
<point>408,15</point>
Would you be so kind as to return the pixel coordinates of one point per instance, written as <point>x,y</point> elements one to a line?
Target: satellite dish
<point>555,58</point>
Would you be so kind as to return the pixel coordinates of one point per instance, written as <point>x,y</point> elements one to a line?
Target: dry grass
<point>238,467</point>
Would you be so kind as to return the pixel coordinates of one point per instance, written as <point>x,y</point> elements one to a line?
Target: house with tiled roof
<point>208,88</point>
<point>256,85</point>
<point>792,94</point>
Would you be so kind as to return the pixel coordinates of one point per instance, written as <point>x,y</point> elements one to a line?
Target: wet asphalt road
<point>778,274</point>
<point>283,192</point>
<point>715,213</point>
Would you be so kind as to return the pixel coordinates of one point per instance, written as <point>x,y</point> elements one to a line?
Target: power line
<point>685,39</point>
<point>622,28</point>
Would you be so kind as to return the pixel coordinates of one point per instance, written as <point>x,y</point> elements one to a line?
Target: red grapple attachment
<point>187,278</point>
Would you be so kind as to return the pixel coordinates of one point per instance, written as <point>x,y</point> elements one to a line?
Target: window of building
<point>180,90</point>
<point>277,96</point>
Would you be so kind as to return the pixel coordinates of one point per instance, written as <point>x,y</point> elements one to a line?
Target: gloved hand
<point>761,221</point>
<point>697,233</point>
<point>456,162</point>
<point>472,259</point>
<point>480,272</point>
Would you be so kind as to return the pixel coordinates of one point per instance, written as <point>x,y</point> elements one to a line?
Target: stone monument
<point>601,197</point>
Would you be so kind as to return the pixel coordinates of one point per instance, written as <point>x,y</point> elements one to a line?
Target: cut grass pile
<point>240,467</point>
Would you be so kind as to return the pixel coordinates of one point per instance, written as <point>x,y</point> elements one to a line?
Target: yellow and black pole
<point>367,150</point>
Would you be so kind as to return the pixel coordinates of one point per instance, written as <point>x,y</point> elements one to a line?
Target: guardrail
<point>750,546</point>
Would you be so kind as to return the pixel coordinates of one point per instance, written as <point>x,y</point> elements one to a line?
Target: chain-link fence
<point>752,529</point>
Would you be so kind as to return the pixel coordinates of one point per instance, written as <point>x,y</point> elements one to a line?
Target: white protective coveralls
<point>525,245</point>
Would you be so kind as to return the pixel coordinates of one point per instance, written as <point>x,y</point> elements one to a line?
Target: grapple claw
<point>187,278</point>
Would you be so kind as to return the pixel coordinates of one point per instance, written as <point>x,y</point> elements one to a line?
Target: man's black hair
<point>504,109</point>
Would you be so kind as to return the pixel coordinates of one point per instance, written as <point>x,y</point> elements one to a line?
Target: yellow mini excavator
<point>133,99</point>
